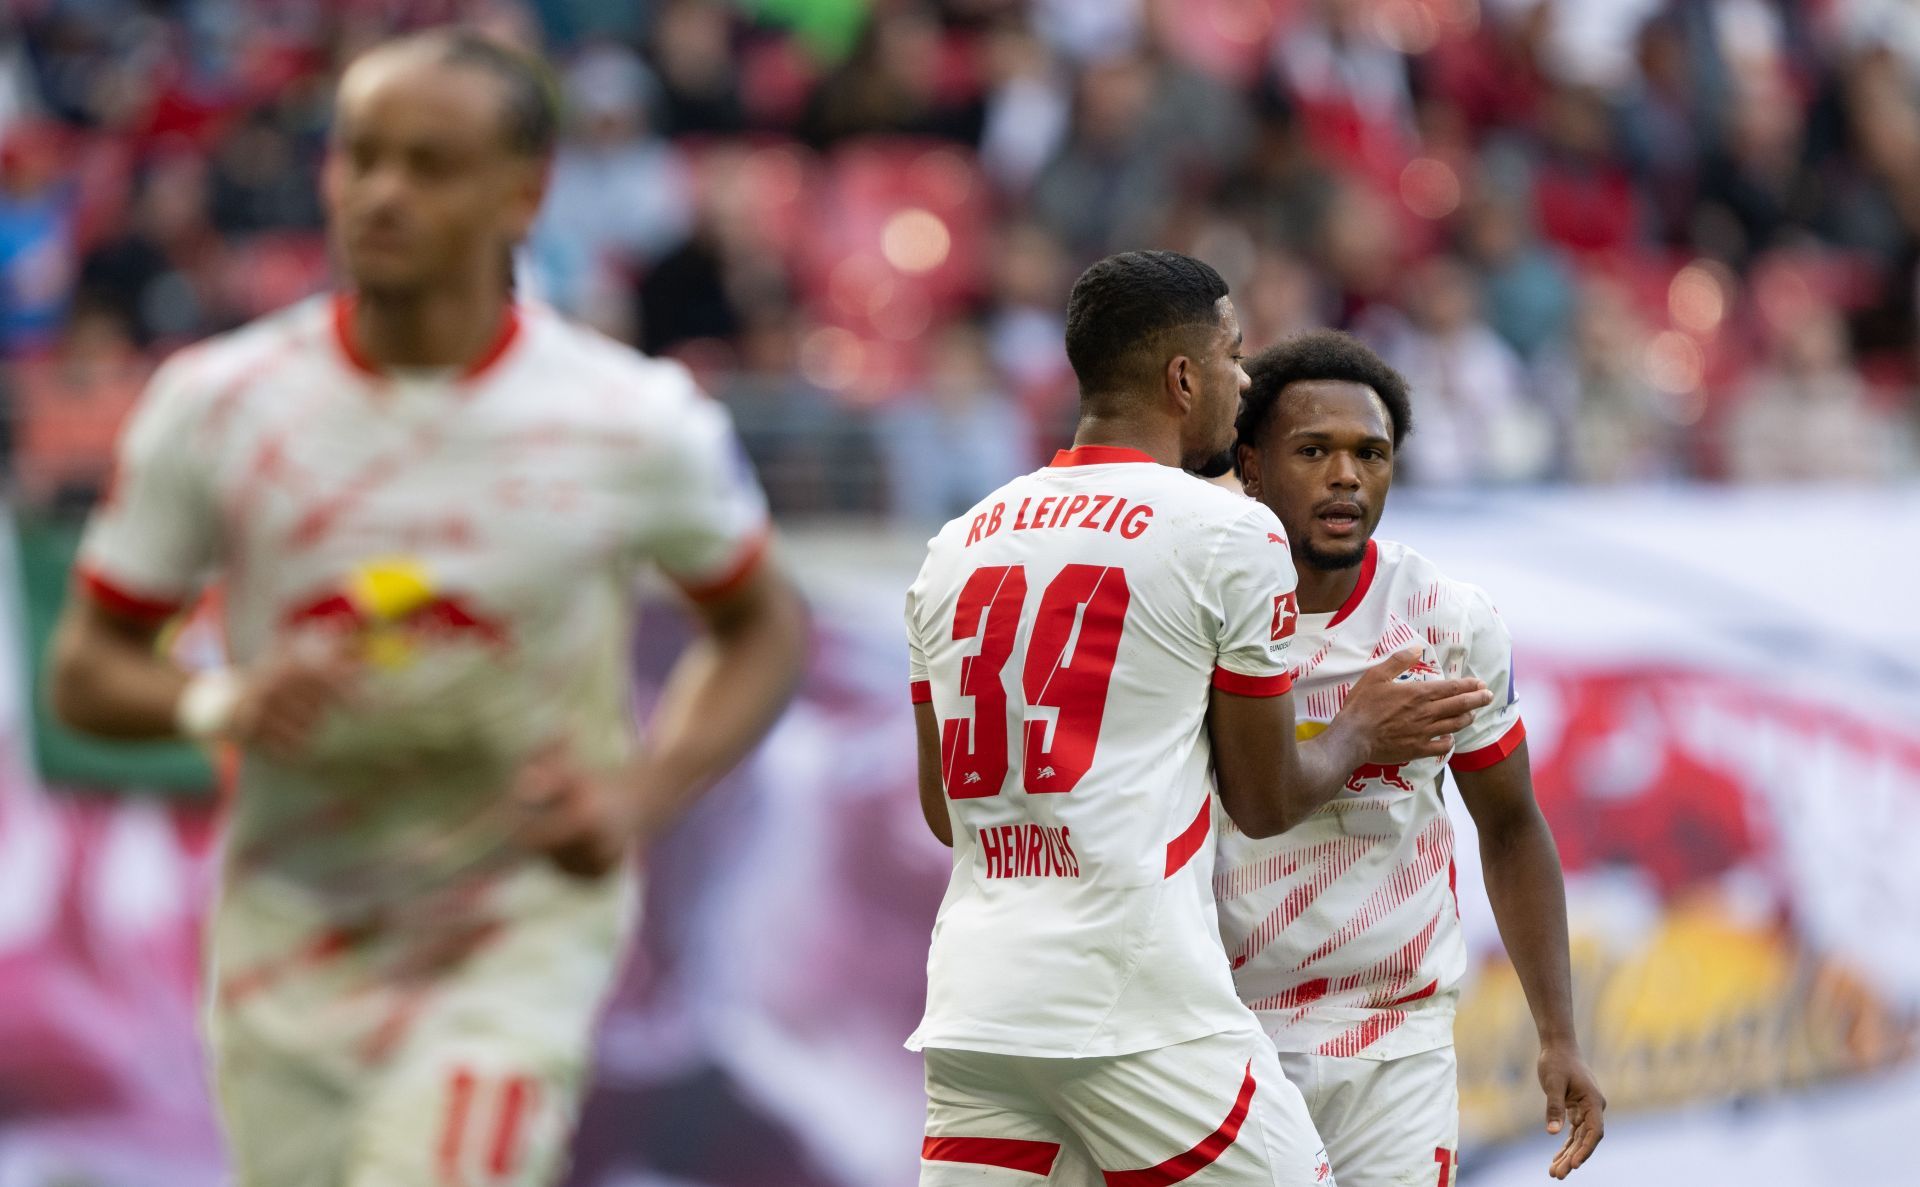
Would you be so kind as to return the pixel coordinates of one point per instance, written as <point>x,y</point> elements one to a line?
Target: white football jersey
<point>1343,932</point>
<point>478,533</point>
<point>1067,631</point>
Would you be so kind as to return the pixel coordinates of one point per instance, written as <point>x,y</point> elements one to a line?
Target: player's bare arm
<point>1522,870</point>
<point>720,699</point>
<point>933,791</point>
<point>108,678</point>
<point>1269,782</point>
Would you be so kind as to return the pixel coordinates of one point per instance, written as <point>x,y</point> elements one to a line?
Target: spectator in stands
<point>699,289</point>
<point>36,249</point>
<point>1752,187</point>
<point>693,50</point>
<point>895,83</point>
<point>161,273</point>
<point>1028,108</point>
<point>1478,422</point>
<point>956,439</point>
<point>1660,118</point>
<point>1807,416</point>
<point>1619,427</point>
<point>1026,326</point>
<point>1111,183</point>
<point>1584,197</point>
<point>813,452</point>
<point>621,196</point>
<point>1350,86</point>
<point>266,170</point>
<point>1278,299</point>
<point>1527,286</point>
<point>69,405</point>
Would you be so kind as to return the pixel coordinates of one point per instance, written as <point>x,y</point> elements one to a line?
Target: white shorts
<point>1386,1122</point>
<point>1215,1111</point>
<point>375,1060</point>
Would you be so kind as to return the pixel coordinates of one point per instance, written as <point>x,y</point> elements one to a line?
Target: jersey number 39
<point>1070,654</point>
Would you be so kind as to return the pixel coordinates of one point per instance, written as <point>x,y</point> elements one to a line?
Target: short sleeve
<point>1254,581</point>
<point>152,539</point>
<point>708,514</point>
<point>1496,731</point>
<point>919,682</point>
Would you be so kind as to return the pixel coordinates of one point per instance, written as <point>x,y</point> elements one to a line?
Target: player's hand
<point>1408,719</point>
<point>1574,1104</point>
<point>285,696</point>
<point>581,821</point>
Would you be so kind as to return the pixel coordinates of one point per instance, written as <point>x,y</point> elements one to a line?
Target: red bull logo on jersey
<point>1391,774</point>
<point>1420,669</point>
<point>1388,774</point>
<point>394,605</point>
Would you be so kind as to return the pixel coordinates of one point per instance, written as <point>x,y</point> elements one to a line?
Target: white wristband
<point>205,708</point>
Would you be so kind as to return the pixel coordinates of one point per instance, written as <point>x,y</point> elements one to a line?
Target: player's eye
<point>1311,451</point>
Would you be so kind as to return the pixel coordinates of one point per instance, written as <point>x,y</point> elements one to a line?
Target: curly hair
<point>1321,354</point>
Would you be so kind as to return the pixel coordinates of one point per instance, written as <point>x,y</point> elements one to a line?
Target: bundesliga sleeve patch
<point>1286,611</point>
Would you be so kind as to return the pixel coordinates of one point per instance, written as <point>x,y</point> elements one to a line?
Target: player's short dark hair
<point>1320,354</point>
<point>1122,305</point>
<point>530,100</point>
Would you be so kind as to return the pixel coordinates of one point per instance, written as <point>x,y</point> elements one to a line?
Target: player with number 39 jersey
<point>1111,592</point>
<point>1079,641</point>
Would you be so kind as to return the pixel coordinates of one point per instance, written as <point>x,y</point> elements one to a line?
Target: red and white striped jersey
<point>1343,932</point>
<point>1066,631</point>
<point>479,533</point>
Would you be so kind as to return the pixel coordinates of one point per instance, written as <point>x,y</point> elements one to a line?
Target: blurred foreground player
<point>1343,932</point>
<point>1084,643</point>
<point>427,508</point>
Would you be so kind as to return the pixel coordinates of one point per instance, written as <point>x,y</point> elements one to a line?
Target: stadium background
<point>1650,266</point>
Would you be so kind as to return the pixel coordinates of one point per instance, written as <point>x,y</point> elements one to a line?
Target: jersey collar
<point>482,363</point>
<point>1368,564</point>
<point>1098,455</point>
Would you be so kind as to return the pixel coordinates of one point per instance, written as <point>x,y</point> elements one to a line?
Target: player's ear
<point>528,191</point>
<point>1179,382</point>
<point>1246,463</point>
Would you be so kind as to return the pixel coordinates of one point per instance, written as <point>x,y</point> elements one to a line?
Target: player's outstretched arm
<point>1269,782</point>
<point>1528,893</point>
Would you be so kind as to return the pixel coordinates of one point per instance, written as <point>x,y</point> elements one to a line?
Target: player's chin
<point>1210,465</point>
<point>385,273</point>
<point>1327,552</point>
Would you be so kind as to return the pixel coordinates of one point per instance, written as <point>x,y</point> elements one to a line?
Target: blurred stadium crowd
<point>1608,240</point>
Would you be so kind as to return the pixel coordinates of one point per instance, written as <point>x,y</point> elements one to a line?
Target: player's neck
<point>428,330</point>
<point>1160,442</point>
<point>1322,591</point>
